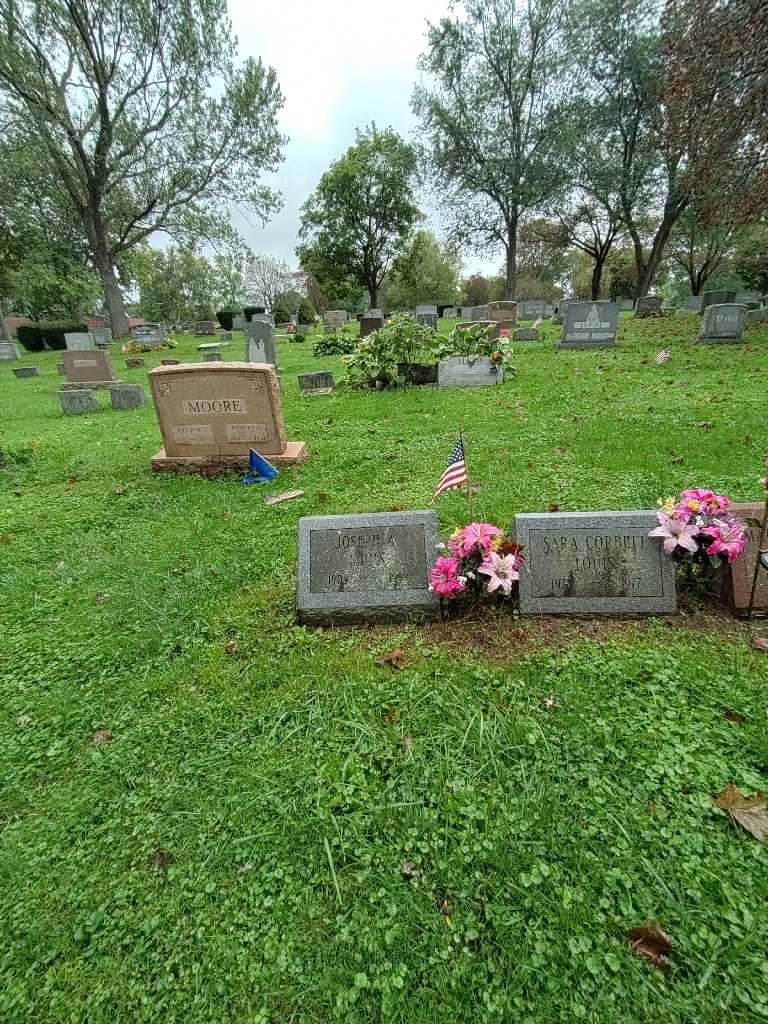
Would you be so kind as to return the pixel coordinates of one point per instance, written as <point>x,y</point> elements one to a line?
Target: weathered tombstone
<point>369,324</point>
<point>79,341</point>
<point>260,345</point>
<point>9,351</point>
<point>335,318</point>
<point>723,324</point>
<point>170,362</point>
<point>238,323</point>
<point>626,305</point>
<point>468,372</point>
<point>717,298</point>
<point>590,325</point>
<point>532,309</point>
<point>739,574</point>
<point>75,403</point>
<point>427,307</point>
<point>418,374</point>
<point>263,318</point>
<point>102,336</point>
<point>93,368</point>
<point>648,305</point>
<point>427,319</point>
<point>150,335</point>
<point>503,313</point>
<point>374,312</point>
<point>366,568</point>
<point>213,414</point>
<point>127,396</point>
<point>450,313</point>
<point>134,363</point>
<point>480,313</point>
<point>750,299</point>
<point>225,337</point>
<point>320,383</point>
<point>594,563</point>
<point>24,372</point>
<point>693,303</point>
<point>210,351</point>
<point>205,328</point>
<point>465,312</point>
<point>562,308</point>
<point>525,334</point>
<point>758,316</point>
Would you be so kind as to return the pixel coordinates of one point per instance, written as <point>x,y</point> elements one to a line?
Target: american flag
<point>663,356</point>
<point>455,474</point>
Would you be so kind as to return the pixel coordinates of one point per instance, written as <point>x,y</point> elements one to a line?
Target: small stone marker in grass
<point>210,351</point>
<point>739,574</point>
<point>723,324</point>
<point>320,383</point>
<point>525,334</point>
<point>75,403</point>
<point>334,319</point>
<point>127,396</point>
<point>366,568</point>
<point>594,563</point>
<point>590,325</point>
<point>468,372</point>
<point>212,415</point>
<point>134,363</point>
<point>648,305</point>
<point>9,352</point>
<point>24,372</point>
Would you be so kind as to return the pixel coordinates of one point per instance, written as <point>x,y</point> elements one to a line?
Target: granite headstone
<point>590,325</point>
<point>468,372</point>
<point>723,324</point>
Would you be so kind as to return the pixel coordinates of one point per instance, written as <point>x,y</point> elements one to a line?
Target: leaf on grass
<point>178,571</point>
<point>549,701</point>
<point>120,489</point>
<point>751,812</point>
<point>733,716</point>
<point>101,737</point>
<point>391,716</point>
<point>677,461</point>
<point>4,538</point>
<point>161,861</point>
<point>392,659</point>
<point>760,643</point>
<point>232,647</point>
<point>705,425</point>
<point>409,871</point>
<point>553,506</point>
<point>100,598</point>
<point>23,721</point>
<point>406,743</point>
<point>73,479</point>
<point>651,943</point>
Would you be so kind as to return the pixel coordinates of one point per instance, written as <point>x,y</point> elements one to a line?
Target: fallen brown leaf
<point>678,461</point>
<point>409,871</point>
<point>553,506</point>
<point>73,479</point>
<point>100,598</point>
<point>651,943</point>
<point>733,716</point>
<point>751,812</point>
<point>232,647</point>
<point>161,861</point>
<point>760,643</point>
<point>101,737</point>
<point>392,659</point>
<point>704,425</point>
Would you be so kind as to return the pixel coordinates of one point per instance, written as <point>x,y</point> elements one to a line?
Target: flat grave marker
<point>594,563</point>
<point>366,568</point>
<point>468,372</point>
<point>318,383</point>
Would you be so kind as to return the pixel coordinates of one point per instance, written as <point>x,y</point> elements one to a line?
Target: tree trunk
<point>510,283</point>
<point>373,292</point>
<point>597,276</point>
<point>105,267</point>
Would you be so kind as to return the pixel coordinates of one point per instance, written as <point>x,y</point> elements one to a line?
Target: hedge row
<point>35,337</point>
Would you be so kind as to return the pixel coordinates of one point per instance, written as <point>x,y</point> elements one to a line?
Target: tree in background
<point>361,213</point>
<point>175,286</point>
<point>425,272</point>
<point>306,312</point>
<point>142,116</point>
<point>267,278</point>
<point>700,249</point>
<point>476,290</point>
<point>751,257</point>
<point>231,259</point>
<point>495,118</point>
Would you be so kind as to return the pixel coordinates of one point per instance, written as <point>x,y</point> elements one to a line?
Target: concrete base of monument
<point>579,345</point>
<point>91,385</point>
<point>296,451</point>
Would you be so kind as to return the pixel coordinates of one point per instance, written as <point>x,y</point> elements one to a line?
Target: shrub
<point>250,311</point>
<point>34,337</point>
<point>476,340</point>
<point>281,312</point>
<point>335,343</point>
<point>374,362</point>
<point>306,312</point>
<point>225,318</point>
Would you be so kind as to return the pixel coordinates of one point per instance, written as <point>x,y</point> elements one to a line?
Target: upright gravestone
<point>205,328</point>
<point>238,323</point>
<point>480,312</point>
<point>751,300</point>
<point>379,313</point>
<point>9,351</point>
<point>723,324</point>
<point>334,319</point>
<point>79,341</point>
<point>260,346</point>
<point>504,314</point>
<point>93,368</point>
<point>594,563</point>
<point>648,305</point>
<point>532,309</point>
<point>366,568</point>
<point>717,298</point>
<point>318,383</point>
<point>427,307</point>
<point>263,318</point>
<point>693,303</point>
<point>757,316</point>
<point>150,335</point>
<point>102,336</point>
<point>626,305</point>
<point>465,312</point>
<point>450,313</point>
<point>741,573</point>
<point>427,320</point>
<point>562,307</point>
<point>369,324</point>
<point>468,372</point>
<point>590,325</point>
<point>127,396</point>
<point>214,414</point>
<point>75,403</point>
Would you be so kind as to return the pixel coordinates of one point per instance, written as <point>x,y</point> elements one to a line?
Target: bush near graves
<point>475,340</point>
<point>225,318</point>
<point>250,311</point>
<point>35,337</point>
<point>281,312</point>
<point>335,343</point>
<point>306,312</point>
<point>374,362</point>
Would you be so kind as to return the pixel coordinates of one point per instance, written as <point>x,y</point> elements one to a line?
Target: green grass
<point>235,852</point>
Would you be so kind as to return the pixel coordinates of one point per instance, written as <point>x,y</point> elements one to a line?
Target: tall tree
<point>426,272</point>
<point>142,115</point>
<point>231,257</point>
<point>361,213</point>
<point>495,118</point>
<point>177,285</point>
<point>699,248</point>
<point>267,278</point>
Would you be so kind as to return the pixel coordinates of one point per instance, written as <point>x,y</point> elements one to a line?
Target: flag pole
<point>466,467</point>
<point>757,560</point>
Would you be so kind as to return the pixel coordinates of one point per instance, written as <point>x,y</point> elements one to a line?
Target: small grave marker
<point>468,372</point>
<point>23,372</point>
<point>75,403</point>
<point>723,324</point>
<point>320,383</point>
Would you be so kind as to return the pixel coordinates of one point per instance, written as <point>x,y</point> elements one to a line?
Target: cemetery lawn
<point>209,813</point>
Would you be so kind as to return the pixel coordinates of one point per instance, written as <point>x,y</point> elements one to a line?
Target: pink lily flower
<point>502,572</point>
<point>475,537</point>
<point>445,578</point>
<point>728,538</point>
<point>675,533</point>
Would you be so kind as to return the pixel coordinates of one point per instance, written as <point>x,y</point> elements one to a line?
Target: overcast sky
<point>341,64</point>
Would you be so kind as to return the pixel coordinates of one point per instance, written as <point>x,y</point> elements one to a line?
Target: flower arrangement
<point>698,527</point>
<point>481,559</point>
<point>475,340</point>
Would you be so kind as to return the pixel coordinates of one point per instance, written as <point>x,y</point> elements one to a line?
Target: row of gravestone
<point>595,324</point>
<point>376,567</point>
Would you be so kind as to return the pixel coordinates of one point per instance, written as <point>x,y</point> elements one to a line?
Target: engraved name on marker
<point>204,406</point>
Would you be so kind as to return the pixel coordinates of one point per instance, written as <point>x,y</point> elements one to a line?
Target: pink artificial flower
<point>501,570</point>
<point>505,333</point>
<point>445,578</point>
<point>676,533</point>
<point>473,538</point>
<point>697,501</point>
<point>728,537</point>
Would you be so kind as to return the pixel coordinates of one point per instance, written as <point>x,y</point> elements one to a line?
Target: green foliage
<point>374,362</point>
<point>359,216</point>
<point>475,340</point>
<point>335,343</point>
<point>250,311</point>
<point>281,311</point>
<point>306,312</point>
<point>751,258</point>
<point>34,337</point>
<point>175,285</point>
<point>425,272</point>
<point>225,318</point>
